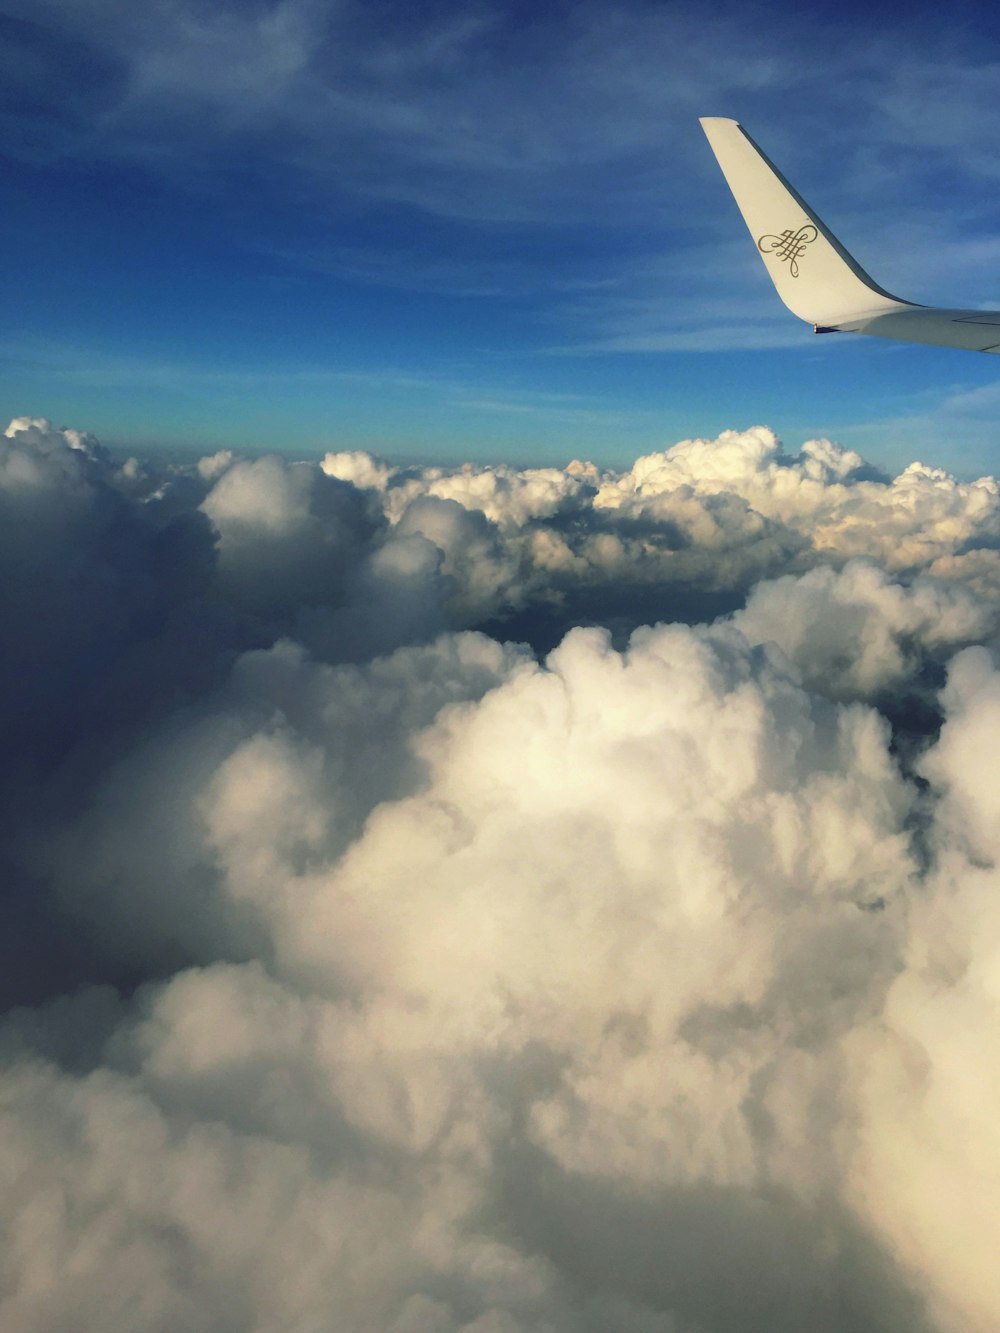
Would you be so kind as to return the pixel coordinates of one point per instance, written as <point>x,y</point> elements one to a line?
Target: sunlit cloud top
<point>497,899</point>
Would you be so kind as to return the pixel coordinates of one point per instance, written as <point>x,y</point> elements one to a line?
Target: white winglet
<point>813,274</point>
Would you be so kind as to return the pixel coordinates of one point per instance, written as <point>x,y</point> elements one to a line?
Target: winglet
<point>813,274</point>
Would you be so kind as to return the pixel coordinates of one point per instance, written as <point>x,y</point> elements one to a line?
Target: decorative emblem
<point>789,245</point>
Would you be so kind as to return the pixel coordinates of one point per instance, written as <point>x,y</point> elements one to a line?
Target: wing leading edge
<point>812,272</point>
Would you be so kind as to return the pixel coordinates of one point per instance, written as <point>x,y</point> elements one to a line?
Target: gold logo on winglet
<point>789,245</point>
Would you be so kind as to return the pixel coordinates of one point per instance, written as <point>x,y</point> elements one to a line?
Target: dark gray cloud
<point>367,968</point>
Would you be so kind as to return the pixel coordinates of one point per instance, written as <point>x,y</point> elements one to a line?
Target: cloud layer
<point>498,900</point>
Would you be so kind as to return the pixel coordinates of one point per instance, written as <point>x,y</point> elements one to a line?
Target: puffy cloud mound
<point>683,534</point>
<point>927,1168</point>
<point>856,631</point>
<point>368,969</point>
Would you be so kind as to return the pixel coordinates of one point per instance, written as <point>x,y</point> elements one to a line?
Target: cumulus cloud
<point>498,899</point>
<point>857,632</point>
<point>927,1167</point>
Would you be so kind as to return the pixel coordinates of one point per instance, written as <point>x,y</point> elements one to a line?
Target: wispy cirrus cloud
<point>486,114</point>
<point>445,190</point>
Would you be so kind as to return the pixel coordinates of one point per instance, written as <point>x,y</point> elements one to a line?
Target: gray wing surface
<point>814,275</point>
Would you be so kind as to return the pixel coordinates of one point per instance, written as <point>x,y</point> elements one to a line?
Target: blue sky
<point>484,231</point>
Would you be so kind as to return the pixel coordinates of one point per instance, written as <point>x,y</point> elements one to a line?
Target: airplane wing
<point>813,274</point>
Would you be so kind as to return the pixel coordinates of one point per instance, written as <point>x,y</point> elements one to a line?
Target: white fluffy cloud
<point>384,974</point>
<point>708,516</point>
<point>856,631</point>
<point>536,940</point>
<point>928,1166</point>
